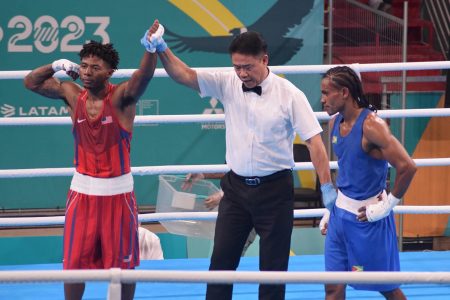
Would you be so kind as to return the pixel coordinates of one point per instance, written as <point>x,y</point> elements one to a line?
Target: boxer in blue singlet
<point>360,225</point>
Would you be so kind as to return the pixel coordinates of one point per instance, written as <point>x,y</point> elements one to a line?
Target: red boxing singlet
<point>102,146</point>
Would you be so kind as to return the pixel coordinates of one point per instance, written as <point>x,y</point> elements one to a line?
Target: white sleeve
<point>211,84</point>
<point>305,122</point>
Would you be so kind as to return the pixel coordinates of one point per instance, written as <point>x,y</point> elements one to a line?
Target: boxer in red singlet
<point>101,225</point>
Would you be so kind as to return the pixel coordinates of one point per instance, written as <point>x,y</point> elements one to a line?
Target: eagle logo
<point>274,24</point>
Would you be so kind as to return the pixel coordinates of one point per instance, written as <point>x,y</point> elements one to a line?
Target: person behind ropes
<point>101,225</point>
<point>149,245</point>
<point>213,201</point>
<point>263,112</point>
<point>360,227</point>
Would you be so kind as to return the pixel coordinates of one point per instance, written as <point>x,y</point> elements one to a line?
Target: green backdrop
<point>33,34</point>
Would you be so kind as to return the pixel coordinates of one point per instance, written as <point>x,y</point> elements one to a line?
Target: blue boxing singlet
<point>360,175</point>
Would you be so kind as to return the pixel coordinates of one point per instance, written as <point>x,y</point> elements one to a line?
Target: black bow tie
<point>256,89</point>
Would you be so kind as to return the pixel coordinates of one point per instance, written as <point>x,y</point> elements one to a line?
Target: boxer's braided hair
<point>343,76</point>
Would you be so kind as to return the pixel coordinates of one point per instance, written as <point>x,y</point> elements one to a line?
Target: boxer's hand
<point>145,41</point>
<point>71,68</point>
<point>153,38</point>
<point>329,195</point>
<point>381,209</point>
<point>157,39</point>
<point>362,217</point>
<point>323,225</point>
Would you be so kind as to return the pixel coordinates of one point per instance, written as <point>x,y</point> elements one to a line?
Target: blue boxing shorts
<point>351,245</point>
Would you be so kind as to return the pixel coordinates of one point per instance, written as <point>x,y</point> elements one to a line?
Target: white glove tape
<point>65,65</point>
<point>381,209</point>
<point>324,220</point>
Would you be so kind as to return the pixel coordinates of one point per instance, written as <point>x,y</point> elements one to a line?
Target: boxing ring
<point>425,275</point>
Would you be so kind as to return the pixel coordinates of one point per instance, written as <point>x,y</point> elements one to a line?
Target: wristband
<point>161,46</point>
<point>147,45</point>
<point>329,195</point>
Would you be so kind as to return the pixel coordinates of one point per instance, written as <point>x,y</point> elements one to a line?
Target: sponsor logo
<point>334,139</point>
<point>8,110</point>
<point>80,121</point>
<point>213,110</point>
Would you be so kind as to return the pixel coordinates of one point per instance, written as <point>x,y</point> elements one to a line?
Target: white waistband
<point>101,186</point>
<point>352,205</point>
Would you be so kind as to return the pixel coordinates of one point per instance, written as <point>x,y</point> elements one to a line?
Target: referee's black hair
<point>249,43</point>
<point>103,51</point>
<point>343,76</point>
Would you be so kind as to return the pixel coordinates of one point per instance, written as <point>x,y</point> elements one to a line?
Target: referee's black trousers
<point>268,207</point>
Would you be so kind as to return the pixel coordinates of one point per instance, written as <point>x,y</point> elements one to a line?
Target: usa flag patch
<point>107,120</point>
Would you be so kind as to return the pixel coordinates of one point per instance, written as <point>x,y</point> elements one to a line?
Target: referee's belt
<point>257,180</point>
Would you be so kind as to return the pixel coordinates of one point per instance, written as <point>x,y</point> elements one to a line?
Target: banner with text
<point>197,31</point>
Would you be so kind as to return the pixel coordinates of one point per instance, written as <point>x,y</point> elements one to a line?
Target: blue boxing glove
<point>329,195</point>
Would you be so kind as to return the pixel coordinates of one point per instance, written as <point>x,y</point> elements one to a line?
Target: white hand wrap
<point>146,43</point>
<point>65,65</point>
<point>156,42</point>
<point>156,37</point>
<point>324,220</point>
<point>381,209</point>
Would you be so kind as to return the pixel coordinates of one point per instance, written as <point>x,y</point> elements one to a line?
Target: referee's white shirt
<point>260,130</point>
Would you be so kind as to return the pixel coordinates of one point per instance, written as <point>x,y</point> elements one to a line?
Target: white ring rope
<point>272,277</point>
<point>184,169</point>
<point>215,118</point>
<point>178,216</point>
<point>115,276</point>
<point>306,69</point>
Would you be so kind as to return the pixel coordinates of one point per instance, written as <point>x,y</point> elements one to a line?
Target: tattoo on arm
<point>50,88</point>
